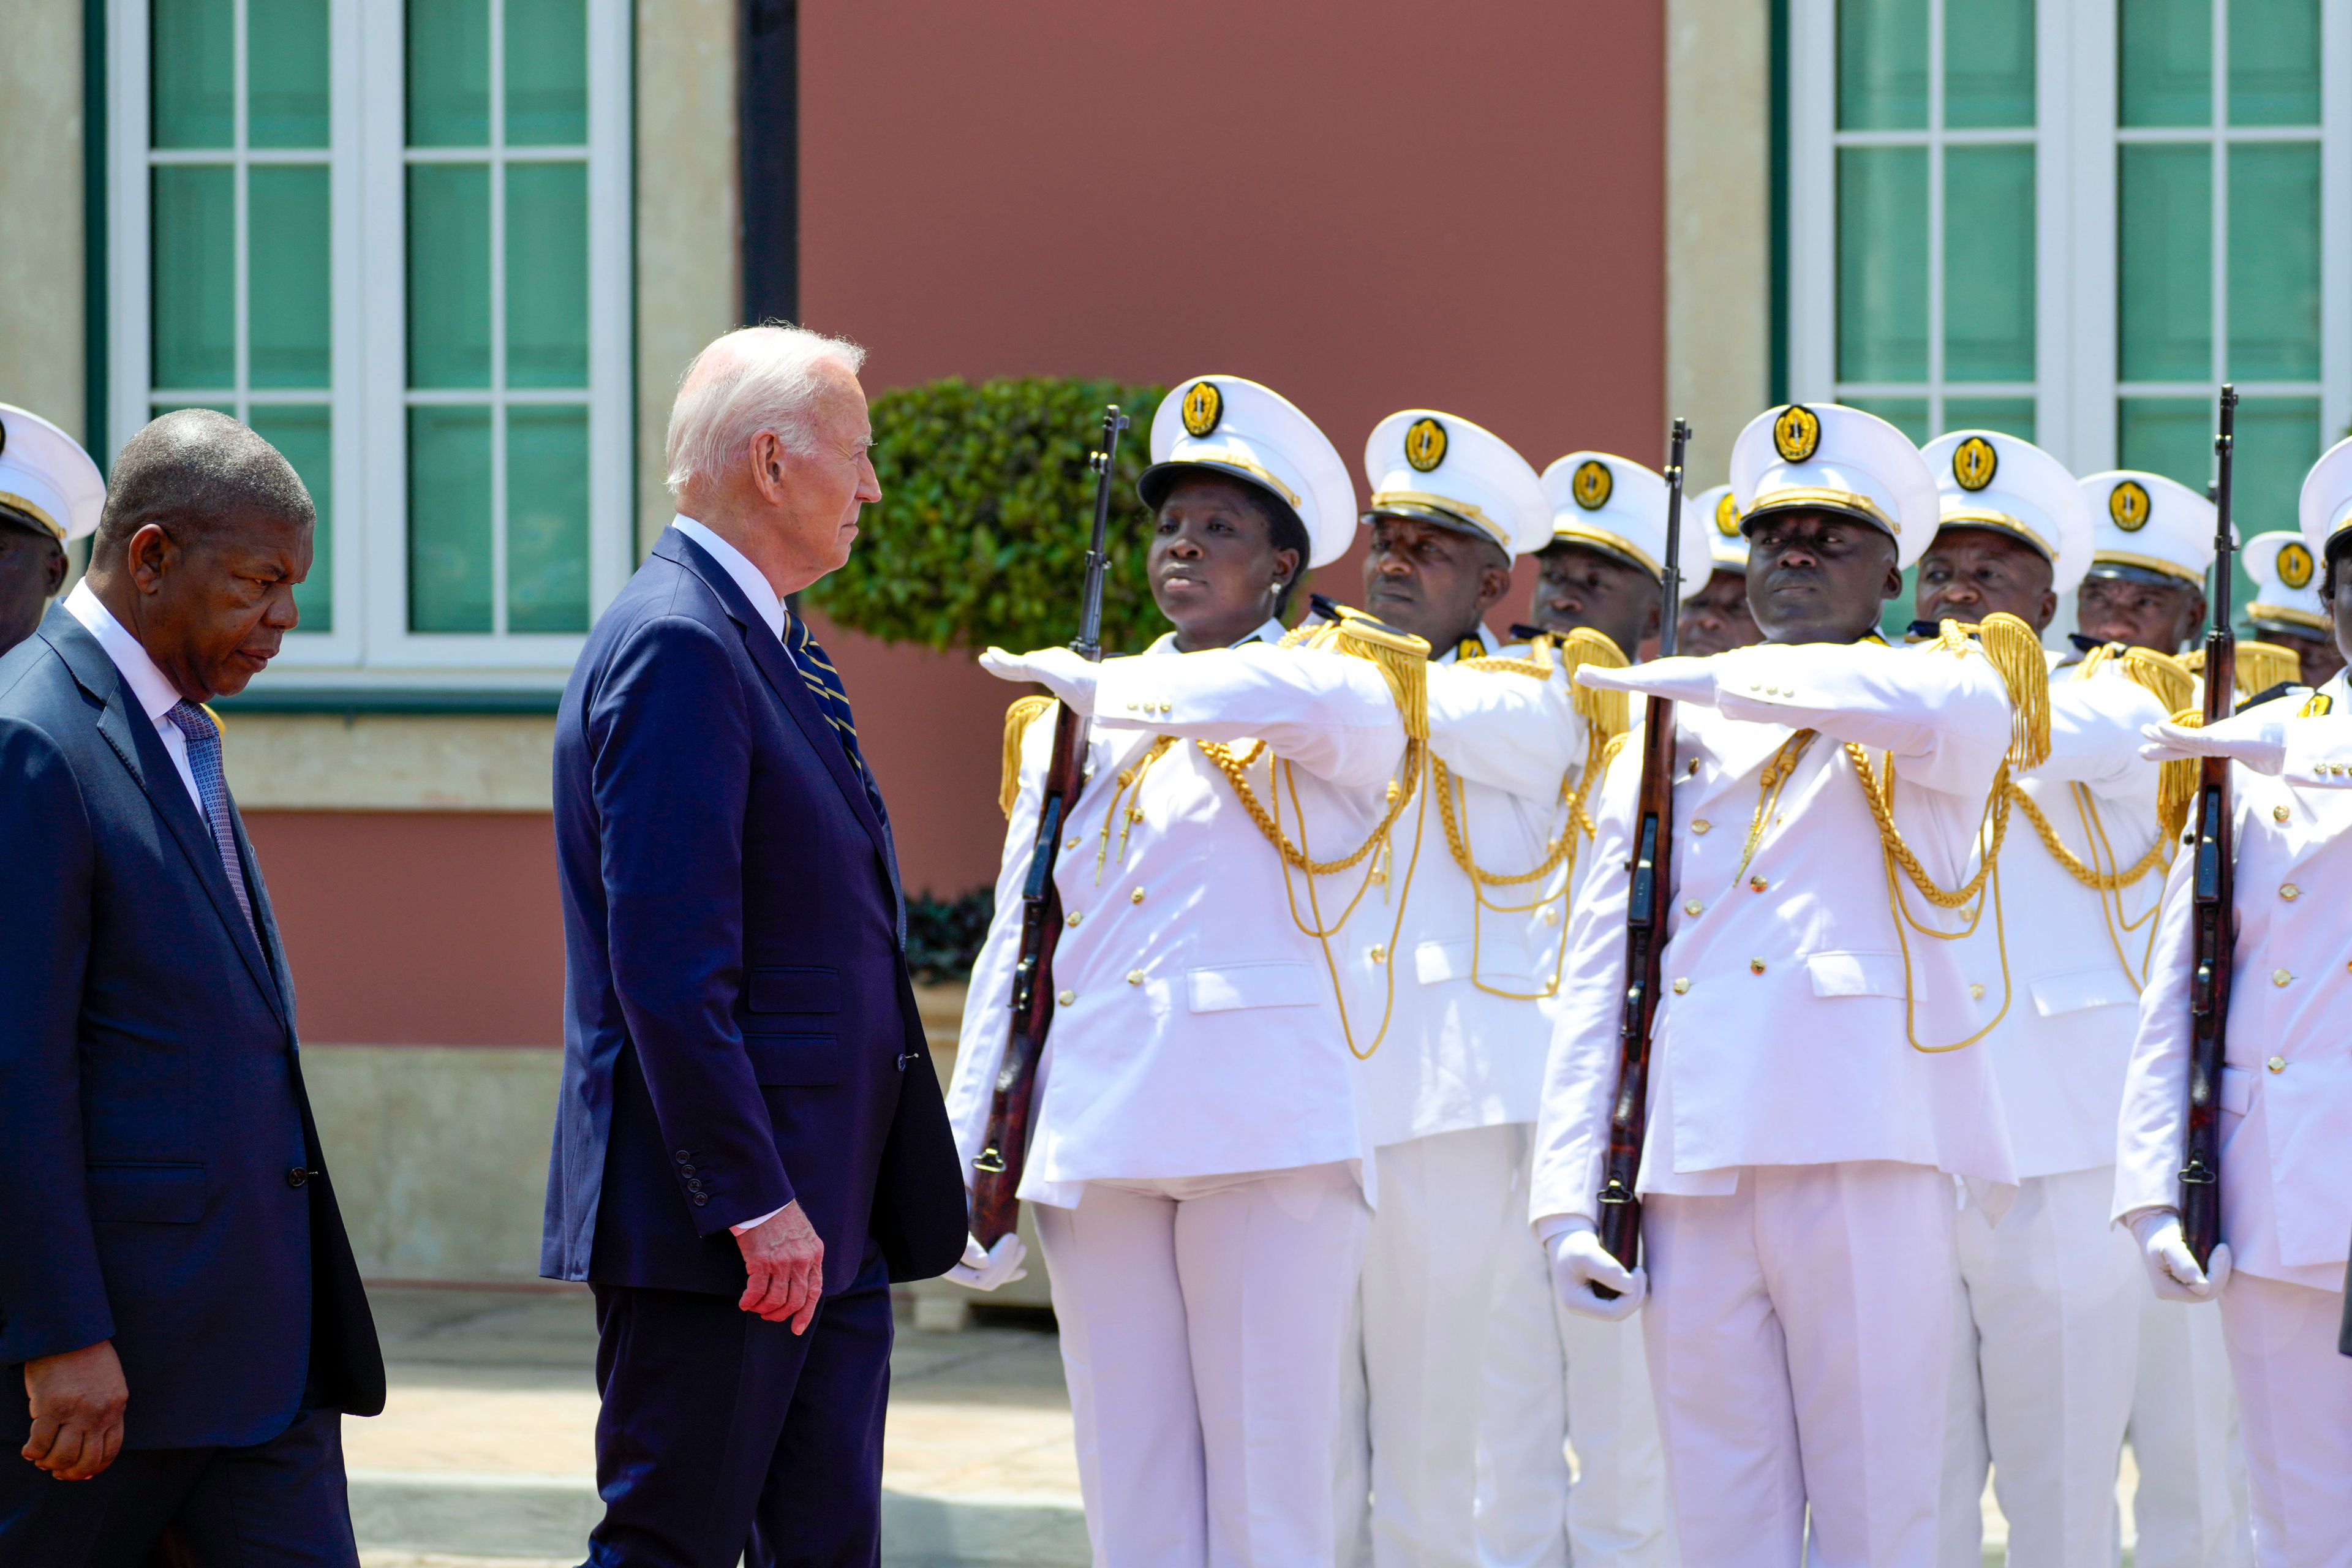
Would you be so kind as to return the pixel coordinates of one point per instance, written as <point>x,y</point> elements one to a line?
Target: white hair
<point>749,380</point>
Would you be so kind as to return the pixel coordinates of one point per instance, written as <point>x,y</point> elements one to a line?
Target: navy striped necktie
<point>824,682</point>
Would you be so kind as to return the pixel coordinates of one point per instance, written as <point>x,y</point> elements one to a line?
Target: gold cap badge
<point>2128,504</point>
<point>1974,463</point>
<point>2295,564</point>
<point>1797,432</point>
<point>1592,484</point>
<point>1425,444</point>
<point>1727,516</point>
<point>1203,406</point>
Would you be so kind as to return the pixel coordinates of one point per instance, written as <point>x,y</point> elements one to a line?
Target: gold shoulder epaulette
<point>2318,705</point>
<point>2013,649</point>
<point>1017,720</point>
<point>1403,660</point>
<point>2172,681</point>
<point>2263,664</point>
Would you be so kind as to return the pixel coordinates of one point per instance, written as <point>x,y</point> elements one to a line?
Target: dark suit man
<point>751,1143</point>
<point>175,1286</point>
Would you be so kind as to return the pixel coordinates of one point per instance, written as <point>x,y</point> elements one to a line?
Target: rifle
<point>1645,913</point>
<point>996,1170</point>
<point>2213,890</point>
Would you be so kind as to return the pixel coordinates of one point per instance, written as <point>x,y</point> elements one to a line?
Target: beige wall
<point>390,762</point>
<point>41,346</point>
<point>1718,222</point>
<point>687,228</point>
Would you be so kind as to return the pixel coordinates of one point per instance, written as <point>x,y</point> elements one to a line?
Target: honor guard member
<point>1592,575</point>
<point>1549,1372</point>
<point>2286,611</point>
<point>2152,548</point>
<point>2151,551</point>
<point>1717,617</point>
<point>1196,1160</point>
<point>2285,1129</point>
<point>50,495</point>
<point>1812,1085</point>
<point>1449,1099</point>
<point>2048,1330</point>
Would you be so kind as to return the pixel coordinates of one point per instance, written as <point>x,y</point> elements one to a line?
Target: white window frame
<point>371,646</point>
<point>2075,383</point>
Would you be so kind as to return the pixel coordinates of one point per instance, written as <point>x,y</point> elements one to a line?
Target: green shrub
<point>943,935</point>
<point>987,500</point>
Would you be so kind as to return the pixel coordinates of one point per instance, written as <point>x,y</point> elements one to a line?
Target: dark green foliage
<point>943,935</point>
<point>981,536</point>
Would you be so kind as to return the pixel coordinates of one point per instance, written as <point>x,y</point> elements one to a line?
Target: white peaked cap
<point>1444,469</point>
<point>45,475</point>
<point>2326,506</point>
<point>1825,457</point>
<point>1618,507</point>
<point>1716,513</point>
<point>2286,571</point>
<point>1987,479</point>
<point>1252,433</point>
<point>2145,519</point>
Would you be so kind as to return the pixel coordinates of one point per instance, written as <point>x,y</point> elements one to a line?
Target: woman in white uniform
<point>1195,1162</point>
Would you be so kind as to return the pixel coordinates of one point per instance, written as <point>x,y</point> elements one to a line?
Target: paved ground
<point>483,1457</point>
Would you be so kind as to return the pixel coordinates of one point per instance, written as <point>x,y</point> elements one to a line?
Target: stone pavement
<point>484,1456</point>
<point>484,1453</point>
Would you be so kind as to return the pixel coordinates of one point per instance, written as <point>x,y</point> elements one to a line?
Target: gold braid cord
<point>1024,711</point>
<point>2090,876</point>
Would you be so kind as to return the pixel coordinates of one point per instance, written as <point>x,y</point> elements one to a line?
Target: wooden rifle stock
<point>2213,888</point>
<point>1646,916</point>
<point>1004,1147</point>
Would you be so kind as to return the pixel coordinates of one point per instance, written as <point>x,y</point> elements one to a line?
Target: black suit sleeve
<point>52,1296</point>
<point>671,764</point>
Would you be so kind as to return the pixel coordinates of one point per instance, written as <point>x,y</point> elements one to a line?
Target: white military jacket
<point>2286,1079</point>
<point>2069,960</point>
<point>1195,1031</point>
<point>1467,1030</point>
<point>1782,1036</point>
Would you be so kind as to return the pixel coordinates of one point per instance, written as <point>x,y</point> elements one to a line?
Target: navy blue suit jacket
<point>151,1106</point>
<point>740,1026</point>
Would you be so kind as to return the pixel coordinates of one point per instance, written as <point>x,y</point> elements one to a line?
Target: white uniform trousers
<point>2191,1508</point>
<point>1800,1340</point>
<point>1201,1323</point>
<point>2295,1397</point>
<point>1550,1371</point>
<point>2046,1350</point>
<point>1406,1471</point>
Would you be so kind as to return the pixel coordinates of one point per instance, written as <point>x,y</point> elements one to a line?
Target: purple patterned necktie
<point>205,761</point>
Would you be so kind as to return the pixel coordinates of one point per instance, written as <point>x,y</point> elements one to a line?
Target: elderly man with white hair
<point>750,1143</point>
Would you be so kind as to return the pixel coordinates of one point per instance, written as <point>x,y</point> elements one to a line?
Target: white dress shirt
<point>150,687</point>
<point>748,577</point>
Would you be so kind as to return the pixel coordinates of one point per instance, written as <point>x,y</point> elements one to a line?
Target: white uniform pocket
<point>2106,986</point>
<point>1234,986</point>
<point>1855,974</point>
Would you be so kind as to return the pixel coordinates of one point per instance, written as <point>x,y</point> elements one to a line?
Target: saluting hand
<point>784,1259</point>
<point>77,1400</point>
<point>1057,670</point>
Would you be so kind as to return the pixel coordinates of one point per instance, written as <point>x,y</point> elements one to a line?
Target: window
<point>2073,219</point>
<point>393,238</point>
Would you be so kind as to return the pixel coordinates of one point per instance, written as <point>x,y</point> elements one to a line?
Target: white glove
<point>986,1268</point>
<point>1579,1262</point>
<point>2171,1267</point>
<point>1057,670</point>
<point>1679,679</point>
<point>2260,746</point>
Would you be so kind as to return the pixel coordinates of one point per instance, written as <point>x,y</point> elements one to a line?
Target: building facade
<point>451,255</point>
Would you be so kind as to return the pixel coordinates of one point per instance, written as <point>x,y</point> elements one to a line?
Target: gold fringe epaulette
<point>2176,782</point>
<point>1024,711</point>
<point>1404,662</point>
<point>2263,664</point>
<point>2013,649</point>
<point>2172,681</point>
